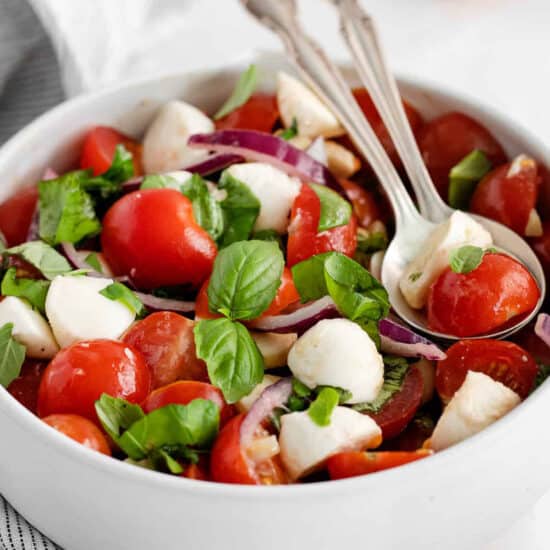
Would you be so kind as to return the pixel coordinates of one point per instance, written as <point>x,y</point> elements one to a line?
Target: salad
<point>206,302</point>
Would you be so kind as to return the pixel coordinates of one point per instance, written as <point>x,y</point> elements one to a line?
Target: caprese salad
<point>206,302</point>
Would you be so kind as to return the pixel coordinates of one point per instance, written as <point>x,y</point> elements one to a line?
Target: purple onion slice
<point>165,304</point>
<point>542,328</point>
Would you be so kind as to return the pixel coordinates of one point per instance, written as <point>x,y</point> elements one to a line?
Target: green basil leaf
<point>292,132</point>
<point>66,210</point>
<point>466,258</point>
<point>368,242</point>
<point>32,290</point>
<point>464,177</point>
<point>242,91</point>
<point>240,209</point>
<point>160,181</point>
<point>42,256</point>
<point>234,362</point>
<point>321,409</point>
<point>117,415</point>
<point>309,277</point>
<point>300,389</point>
<point>122,166</point>
<point>245,279</point>
<point>335,210</point>
<point>3,242</point>
<point>206,209</point>
<point>120,293</point>
<point>343,395</point>
<point>92,260</point>
<point>12,356</point>
<point>542,375</point>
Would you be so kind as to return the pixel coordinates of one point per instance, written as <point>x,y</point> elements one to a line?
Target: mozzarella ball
<point>274,347</point>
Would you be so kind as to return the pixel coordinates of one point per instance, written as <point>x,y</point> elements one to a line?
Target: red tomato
<point>447,139</point>
<point>196,471</point>
<point>81,430</point>
<point>184,392</point>
<point>153,237</point>
<point>259,113</point>
<point>79,374</point>
<point>467,304</point>
<point>25,387</point>
<point>504,362</point>
<point>400,409</point>
<point>166,342</point>
<point>16,215</point>
<point>229,463</point>
<point>303,239</point>
<point>364,205</point>
<point>508,197</point>
<point>413,437</point>
<point>529,341</point>
<point>541,246</point>
<point>354,463</point>
<point>99,149</point>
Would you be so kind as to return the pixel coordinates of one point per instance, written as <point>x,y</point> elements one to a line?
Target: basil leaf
<point>42,256</point>
<point>240,209</point>
<point>122,166</point>
<point>292,132</point>
<point>321,409</point>
<point>92,260</point>
<point>245,279</point>
<point>395,370</point>
<point>464,177</point>
<point>369,243</point>
<point>120,293</point>
<point>234,362</point>
<point>309,277</point>
<point>466,258</point>
<point>160,181</point>
<point>206,209</point>
<point>300,389</point>
<point>335,210</point>
<point>12,356</point>
<point>32,290</point>
<point>66,211</point>
<point>3,242</point>
<point>542,375</point>
<point>242,91</point>
<point>117,415</point>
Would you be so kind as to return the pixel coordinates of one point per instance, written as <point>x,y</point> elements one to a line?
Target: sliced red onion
<point>264,147</point>
<point>542,328</point>
<point>399,340</point>
<point>213,164</point>
<point>317,150</point>
<point>165,304</point>
<point>76,259</point>
<point>272,397</point>
<point>33,233</point>
<point>300,319</point>
<point>49,174</point>
<point>132,185</point>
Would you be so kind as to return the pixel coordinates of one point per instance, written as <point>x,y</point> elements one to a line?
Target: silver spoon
<point>411,229</point>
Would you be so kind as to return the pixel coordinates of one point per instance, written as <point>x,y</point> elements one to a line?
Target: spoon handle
<point>329,84</point>
<point>359,32</point>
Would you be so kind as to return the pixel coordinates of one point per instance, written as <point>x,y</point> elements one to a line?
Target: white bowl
<point>459,498</point>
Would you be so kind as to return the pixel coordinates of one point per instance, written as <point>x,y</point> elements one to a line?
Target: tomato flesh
<point>259,113</point>
<point>468,304</point>
<point>166,342</point>
<point>16,215</point>
<point>25,387</point>
<point>541,246</point>
<point>364,205</point>
<point>504,362</point>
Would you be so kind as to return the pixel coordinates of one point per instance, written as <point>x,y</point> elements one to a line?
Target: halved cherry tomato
<point>184,392</point>
<point>447,139</point>
<point>229,463</point>
<point>197,471</point>
<point>16,215</point>
<point>354,463</point>
<point>508,193</point>
<point>401,407</point>
<point>166,342</point>
<point>79,374</point>
<point>364,204</point>
<point>153,237</point>
<point>80,429</point>
<point>304,240</point>
<point>25,387</point>
<point>259,113</point>
<point>541,246</point>
<point>413,437</point>
<point>504,362</point>
<point>467,304</point>
<point>99,149</point>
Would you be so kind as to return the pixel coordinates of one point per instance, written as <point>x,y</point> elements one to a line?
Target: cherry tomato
<point>197,471</point>
<point>304,240</point>
<point>25,387</point>
<point>508,193</point>
<point>78,375</point>
<point>354,463</point>
<point>152,236</point>
<point>184,392</point>
<point>99,149</point>
<point>529,341</point>
<point>229,463</point>
<point>81,430</point>
<point>259,113</point>
<point>467,304</point>
<point>166,342</point>
<point>503,361</point>
<point>364,205</point>
<point>16,215</point>
<point>413,437</point>
<point>541,246</point>
<point>400,409</point>
<point>447,139</point>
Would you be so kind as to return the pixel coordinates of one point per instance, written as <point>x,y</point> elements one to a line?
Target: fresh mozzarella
<point>181,176</point>
<point>305,446</point>
<point>165,143</point>
<point>295,101</point>
<point>29,328</point>
<point>274,347</point>
<point>341,161</point>
<point>338,352</point>
<point>479,402</point>
<point>274,189</point>
<point>77,311</point>
<point>246,402</point>
<point>460,229</point>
